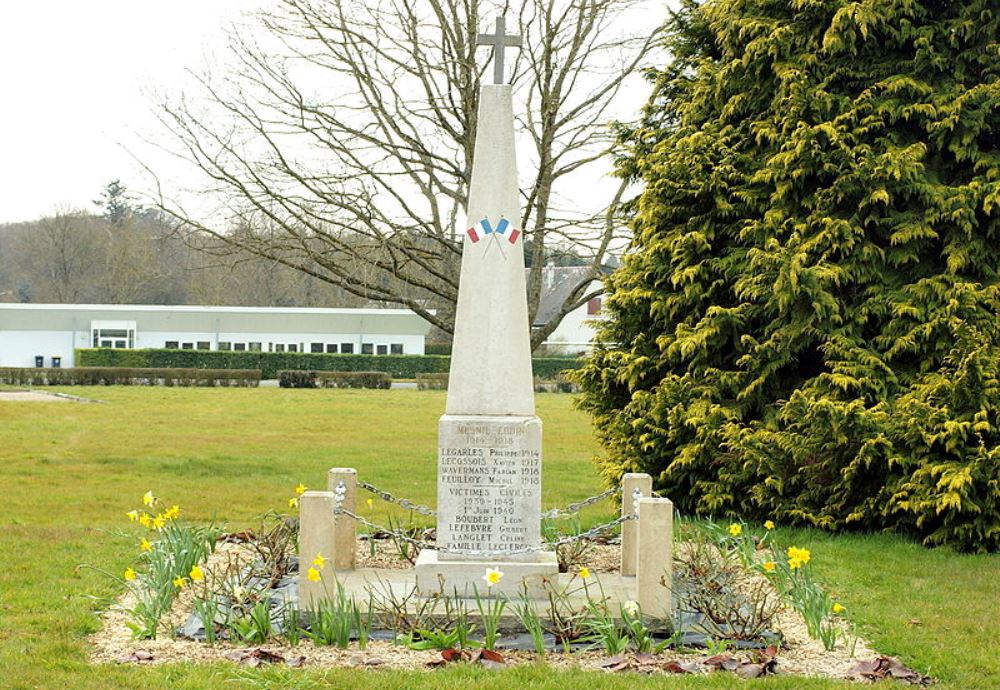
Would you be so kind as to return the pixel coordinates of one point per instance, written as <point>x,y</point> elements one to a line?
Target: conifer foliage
<point>806,328</point>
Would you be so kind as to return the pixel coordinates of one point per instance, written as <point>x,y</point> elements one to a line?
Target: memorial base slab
<point>436,573</point>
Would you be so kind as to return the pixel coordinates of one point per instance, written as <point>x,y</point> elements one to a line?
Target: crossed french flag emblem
<point>484,228</point>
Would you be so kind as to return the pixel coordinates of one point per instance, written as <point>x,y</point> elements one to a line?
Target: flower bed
<point>745,606</point>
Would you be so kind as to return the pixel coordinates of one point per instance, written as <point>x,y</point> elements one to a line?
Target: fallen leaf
<point>722,661</point>
<point>615,663</point>
<point>885,667</point>
<point>254,657</point>
<point>491,655</point>
<point>750,670</point>
<point>138,656</point>
<point>679,667</point>
<point>451,654</point>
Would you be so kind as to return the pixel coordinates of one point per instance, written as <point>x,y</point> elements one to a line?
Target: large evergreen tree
<point>806,327</point>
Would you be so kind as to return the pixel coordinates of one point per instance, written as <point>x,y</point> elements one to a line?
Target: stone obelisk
<point>490,441</point>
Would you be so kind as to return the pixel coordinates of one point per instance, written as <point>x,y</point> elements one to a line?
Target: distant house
<point>576,331</point>
<point>48,334</point>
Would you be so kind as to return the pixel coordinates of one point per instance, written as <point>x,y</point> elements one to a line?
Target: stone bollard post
<point>654,576</point>
<point>344,554</point>
<point>630,529</point>
<point>317,535</point>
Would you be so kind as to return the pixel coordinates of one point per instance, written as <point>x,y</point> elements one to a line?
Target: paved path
<point>31,396</point>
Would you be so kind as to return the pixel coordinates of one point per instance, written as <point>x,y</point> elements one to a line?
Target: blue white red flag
<point>484,228</point>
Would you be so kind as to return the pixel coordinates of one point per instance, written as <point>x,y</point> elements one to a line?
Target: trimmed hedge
<point>559,384</point>
<point>437,349</point>
<point>129,376</point>
<point>270,363</point>
<point>432,382</point>
<point>298,378</point>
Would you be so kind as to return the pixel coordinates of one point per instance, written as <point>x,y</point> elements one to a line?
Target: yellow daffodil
<point>838,608</point>
<point>293,502</point>
<point>144,545</point>
<point>583,572</point>
<point>768,524</point>
<point>799,556</point>
<point>148,499</point>
<point>371,504</point>
<point>768,566</point>
<point>320,561</point>
<point>145,520</point>
<point>735,529</point>
<point>159,522</point>
<point>172,512</point>
<point>313,575</point>
<point>133,515</point>
<point>129,574</point>
<point>492,577</point>
<point>196,574</point>
<point>180,582</point>
<point>300,489</point>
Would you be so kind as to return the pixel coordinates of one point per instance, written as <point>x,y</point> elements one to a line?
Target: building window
<point>172,345</point>
<point>240,347</point>
<point>367,349</point>
<point>187,346</point>
<point>331,348</point>
<point>396,348</point>
<point>594,306</point>
<point>204,345</point>
<point>279,347</point>
<point>347,348</point>
<point>316,348</point>
<point>255,347</point>
<point>225,346</point>
<point>119,338</point>
<point>382,349</point>
<point>292,347</point>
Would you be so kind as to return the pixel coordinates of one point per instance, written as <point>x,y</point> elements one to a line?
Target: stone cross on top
<point>500,41</point>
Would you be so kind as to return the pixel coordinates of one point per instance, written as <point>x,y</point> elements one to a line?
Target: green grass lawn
<point>69,472</point>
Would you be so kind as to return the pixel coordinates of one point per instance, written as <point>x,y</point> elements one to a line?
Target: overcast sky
<point>78,85</point>
<point>74,81</point>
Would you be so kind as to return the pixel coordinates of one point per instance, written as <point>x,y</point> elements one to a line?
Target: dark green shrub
<point>560,384</point>
<point>806,327</point>
<point>354,379</point>
<point>128,376</point>
<point>297,379</point>
<point>437,349</point>
<point>432,382</point>
<point>334,379</point>
<point>270,363</point>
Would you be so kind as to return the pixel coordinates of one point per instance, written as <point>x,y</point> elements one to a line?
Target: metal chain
<point>419,543</point>
<point>403,503</point>
<point>573,508</point>
<point>555,513</point>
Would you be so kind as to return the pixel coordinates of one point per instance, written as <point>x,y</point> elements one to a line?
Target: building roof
<point>197,318</point>
<point>557,284</point>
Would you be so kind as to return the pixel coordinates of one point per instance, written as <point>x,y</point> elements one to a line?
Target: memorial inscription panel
<point>489,485</point>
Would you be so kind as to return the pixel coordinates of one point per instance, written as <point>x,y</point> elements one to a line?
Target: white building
<point>575,333</point>
<point>53,331</point>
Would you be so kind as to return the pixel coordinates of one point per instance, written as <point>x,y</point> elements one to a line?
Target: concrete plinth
<point>438,574</point>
